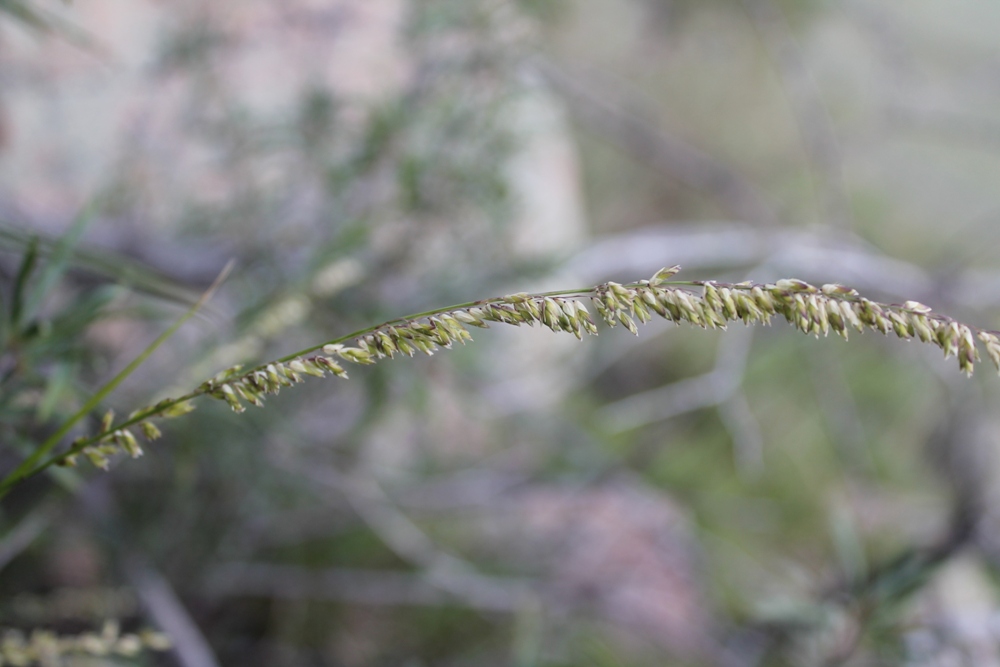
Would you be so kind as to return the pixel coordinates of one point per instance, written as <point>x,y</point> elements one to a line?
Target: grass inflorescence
<point>48,648</point>
<point>707,304</point>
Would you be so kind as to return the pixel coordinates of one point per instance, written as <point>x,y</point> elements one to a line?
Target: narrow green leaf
<point>58,386</point>
<point>122,269</point>
<point>28,263</point>
<point>30,465</point>
<point>24,13</point>
<point>57,264</point>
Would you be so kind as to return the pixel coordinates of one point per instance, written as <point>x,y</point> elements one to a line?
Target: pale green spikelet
<point>664,275</point>
<point>150,431</point>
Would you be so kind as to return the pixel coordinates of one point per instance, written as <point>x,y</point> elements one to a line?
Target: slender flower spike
<point>44,647</point>
<point>810,309</point>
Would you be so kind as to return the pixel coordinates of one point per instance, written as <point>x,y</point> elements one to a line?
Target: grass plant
<point>706,304</point>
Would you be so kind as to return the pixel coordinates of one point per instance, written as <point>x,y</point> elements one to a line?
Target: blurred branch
<point>734,410</point>
<point>840,411</point>
<point>443,570</point>
<point>650,144</point>
<point>285,528</point>
<point>744,430</point>
<point>815,255</point>
<point>887,37</point>
<point>370,587</point>
<point>666,402</point>
<point>481,486</point>
<point>167,611</point>
<point>980,133</point>
<point>677,398</point>
<point>157,596</point>
<point>720,388</point>
<point>806,101</point>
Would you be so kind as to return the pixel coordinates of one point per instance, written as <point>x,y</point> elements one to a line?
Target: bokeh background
<point>752,497</point>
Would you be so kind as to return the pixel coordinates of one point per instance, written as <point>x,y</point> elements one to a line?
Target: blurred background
<point>752,497</point>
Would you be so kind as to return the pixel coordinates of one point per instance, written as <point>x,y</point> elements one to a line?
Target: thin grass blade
<point>30,465</point>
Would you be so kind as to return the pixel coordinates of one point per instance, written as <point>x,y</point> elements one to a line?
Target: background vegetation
<point>753,497</point>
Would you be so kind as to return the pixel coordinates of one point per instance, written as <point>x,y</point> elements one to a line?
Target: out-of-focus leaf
<point>26,14</point>
<point>57,264</point>
<point>124,270</point>
<point>71,321</point>
<point>59,384</point>
<point>848,546</point>
<point>901,578</point>
<point>28,263</point>
<point>49,23</point>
